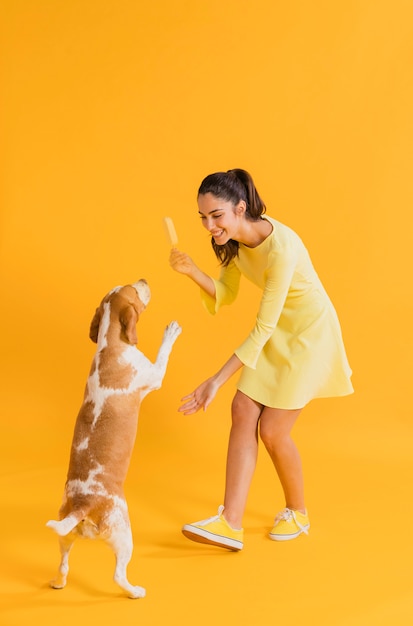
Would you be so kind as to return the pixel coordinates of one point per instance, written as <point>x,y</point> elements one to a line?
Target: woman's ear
<point>128,319</point>
<point>241,208</point>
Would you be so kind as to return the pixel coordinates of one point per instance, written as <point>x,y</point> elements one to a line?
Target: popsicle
<point>170,231</point>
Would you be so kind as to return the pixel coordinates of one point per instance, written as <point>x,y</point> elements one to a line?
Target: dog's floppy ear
<point>94,326</point>
<point>128,318</point>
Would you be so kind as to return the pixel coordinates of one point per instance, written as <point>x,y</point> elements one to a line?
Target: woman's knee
<point>276,425</point>
<point>244,410</point>
<point>268,432</point>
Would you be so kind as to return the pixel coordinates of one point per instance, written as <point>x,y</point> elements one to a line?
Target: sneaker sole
<point>203,536</point>
<point>288,537</point>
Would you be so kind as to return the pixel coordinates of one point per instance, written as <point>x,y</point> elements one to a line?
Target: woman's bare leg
<point>275,432</point>
<point>241,457</point>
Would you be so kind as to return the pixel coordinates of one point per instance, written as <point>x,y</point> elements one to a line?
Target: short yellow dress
<point>295,351</point>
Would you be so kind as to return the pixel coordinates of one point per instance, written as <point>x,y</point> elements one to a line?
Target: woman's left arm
<point>279,276</point>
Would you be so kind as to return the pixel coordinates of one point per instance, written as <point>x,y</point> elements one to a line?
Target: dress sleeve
<point>279,273</point>
<point>226,289</point>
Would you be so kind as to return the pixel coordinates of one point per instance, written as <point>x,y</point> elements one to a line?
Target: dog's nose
<point>143,291</point>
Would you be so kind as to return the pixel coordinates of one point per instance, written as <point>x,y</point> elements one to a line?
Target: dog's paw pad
<point>173,330</point>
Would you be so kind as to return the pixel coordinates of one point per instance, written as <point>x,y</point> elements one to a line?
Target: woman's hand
<point>181,262</point>
<point>203,395</point>
<point>201,398</point>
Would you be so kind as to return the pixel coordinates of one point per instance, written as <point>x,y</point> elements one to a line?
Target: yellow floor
<point>353,569</point>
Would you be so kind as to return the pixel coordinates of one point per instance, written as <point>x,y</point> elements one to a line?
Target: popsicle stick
<point>170,231</point>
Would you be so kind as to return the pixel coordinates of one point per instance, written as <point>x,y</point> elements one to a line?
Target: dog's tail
<point>66,525</point>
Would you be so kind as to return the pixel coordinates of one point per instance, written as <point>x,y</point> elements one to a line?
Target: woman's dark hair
<point>233,186</point>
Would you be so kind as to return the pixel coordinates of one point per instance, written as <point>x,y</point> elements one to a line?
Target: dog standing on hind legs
<point>94,504</point>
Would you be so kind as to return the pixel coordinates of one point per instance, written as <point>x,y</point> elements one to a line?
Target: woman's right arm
<point>182,263</point>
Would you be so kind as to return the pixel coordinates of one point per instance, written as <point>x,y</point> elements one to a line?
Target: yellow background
<point>112,113</point>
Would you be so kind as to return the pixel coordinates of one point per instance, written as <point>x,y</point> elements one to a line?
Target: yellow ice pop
<point>170,231</point>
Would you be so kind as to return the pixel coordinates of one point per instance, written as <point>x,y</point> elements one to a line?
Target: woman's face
<point>221,218</point>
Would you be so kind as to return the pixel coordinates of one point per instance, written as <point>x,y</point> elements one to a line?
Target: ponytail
<point>233,186</point>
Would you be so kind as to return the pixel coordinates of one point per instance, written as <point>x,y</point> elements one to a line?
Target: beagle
<point>94,504</point>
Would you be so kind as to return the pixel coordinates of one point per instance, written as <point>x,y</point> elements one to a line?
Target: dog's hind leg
<point>65,544</point>
<point>120,540</point>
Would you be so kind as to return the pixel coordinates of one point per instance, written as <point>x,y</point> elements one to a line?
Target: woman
<point>293,354</point>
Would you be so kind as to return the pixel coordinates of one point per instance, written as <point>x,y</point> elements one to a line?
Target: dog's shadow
<point>34,591</point>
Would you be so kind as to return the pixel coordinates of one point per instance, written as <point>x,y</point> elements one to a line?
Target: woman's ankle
<point>233,520</point>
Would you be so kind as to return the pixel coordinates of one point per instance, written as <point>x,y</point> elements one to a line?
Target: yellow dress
<point>295,351</point>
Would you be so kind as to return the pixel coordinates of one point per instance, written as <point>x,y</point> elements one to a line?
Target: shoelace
<point>288,515</point>
<point>211,519</point>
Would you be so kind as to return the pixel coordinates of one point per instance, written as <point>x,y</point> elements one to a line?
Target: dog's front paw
<point>172,331</point>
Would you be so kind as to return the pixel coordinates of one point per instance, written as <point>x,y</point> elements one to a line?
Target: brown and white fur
<point>94,504</point>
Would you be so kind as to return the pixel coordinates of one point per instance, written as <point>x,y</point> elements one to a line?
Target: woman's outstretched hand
<point>203,395</point>
<point>201,398</point>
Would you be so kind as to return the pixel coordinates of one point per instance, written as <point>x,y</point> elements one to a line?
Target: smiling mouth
<point>218,234</point>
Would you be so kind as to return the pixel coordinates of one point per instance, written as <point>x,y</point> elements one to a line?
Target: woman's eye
<point>213,217</point>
